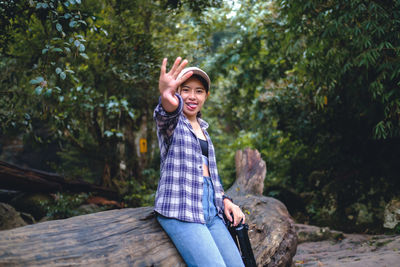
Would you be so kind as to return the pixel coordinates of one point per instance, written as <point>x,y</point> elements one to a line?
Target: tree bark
<point>271,229</point>
<point>13,177</point>
<point>132,237</point>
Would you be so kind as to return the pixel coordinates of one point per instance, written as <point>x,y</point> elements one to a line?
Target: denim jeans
<point>208,244</point>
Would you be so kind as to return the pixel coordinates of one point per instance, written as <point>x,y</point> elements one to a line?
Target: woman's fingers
<point>175,66</point>
<point>180,68</point>
<point>184,77</point>
<point>238,216</point>
<point>228,216</point>
<point>163,67</point>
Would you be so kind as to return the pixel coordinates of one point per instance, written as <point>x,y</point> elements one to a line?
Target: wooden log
<point>132,237</point>
<point>13,177</point>
<point>272,230</point>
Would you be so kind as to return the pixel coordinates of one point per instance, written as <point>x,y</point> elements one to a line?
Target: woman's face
<point>194,95</point>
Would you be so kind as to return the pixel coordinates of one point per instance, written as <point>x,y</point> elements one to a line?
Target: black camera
<point>240,235</point>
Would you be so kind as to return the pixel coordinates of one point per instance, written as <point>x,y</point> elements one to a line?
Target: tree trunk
<point>132,237</point>
<point>17,178</point>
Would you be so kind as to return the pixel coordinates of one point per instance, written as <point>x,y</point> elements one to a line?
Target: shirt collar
<point>203,123</point>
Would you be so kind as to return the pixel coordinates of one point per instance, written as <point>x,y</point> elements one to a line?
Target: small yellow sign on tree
<point>143,145</point>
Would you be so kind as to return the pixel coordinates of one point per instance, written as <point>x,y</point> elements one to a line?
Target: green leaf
<point>58,70</point>
<point>108,133</point>
<point>56,49</point>
<point>72,23</point>
<point>59,27</point>
<point>63,75</point>
<point>77,43</point>
<point>84,55</point>
<point>81,48</point>
<point>38,90</point>
<point>48,92</point>
<point>37,80</point>
<point>34,81</point>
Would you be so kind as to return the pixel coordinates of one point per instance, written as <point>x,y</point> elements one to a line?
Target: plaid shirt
<point>180,189</point>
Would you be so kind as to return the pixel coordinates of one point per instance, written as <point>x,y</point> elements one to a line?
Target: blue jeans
<point>208,244</point>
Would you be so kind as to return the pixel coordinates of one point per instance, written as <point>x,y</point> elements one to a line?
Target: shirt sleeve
<point>167,121</point>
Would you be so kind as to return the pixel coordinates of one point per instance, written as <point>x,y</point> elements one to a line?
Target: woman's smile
<point>194,95</point>
<point>191,106</point>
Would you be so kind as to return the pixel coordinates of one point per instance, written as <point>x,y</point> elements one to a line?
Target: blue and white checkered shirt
<point>180,189</point>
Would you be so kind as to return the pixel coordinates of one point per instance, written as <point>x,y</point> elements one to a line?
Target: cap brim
<point>197,71</point>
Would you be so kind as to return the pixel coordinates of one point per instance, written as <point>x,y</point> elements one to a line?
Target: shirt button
<point>199,166</point>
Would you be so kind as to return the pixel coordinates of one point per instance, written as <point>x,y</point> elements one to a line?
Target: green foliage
<point>397,229</point>
<point>348,50</point>
<point>89,78</point>
<point>314,87</point>
<point>139,194</point>
<point>64,205</point>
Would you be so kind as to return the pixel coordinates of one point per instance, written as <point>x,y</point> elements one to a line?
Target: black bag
<point>241,238</point>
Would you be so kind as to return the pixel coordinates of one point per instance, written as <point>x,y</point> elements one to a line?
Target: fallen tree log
<point>13,177</point>
<point>272,231</point>
<point>132,237</point>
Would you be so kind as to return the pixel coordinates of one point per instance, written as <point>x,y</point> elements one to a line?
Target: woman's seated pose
<point>190,200</point>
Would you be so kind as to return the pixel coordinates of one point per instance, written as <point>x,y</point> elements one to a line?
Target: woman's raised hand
<point>169,82</point>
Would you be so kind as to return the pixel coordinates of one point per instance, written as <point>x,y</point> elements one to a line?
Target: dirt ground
<point>349,250</point>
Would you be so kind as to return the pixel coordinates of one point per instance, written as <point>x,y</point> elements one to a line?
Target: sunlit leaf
<point>59,27</point>
<point>38,90</point>
<point>84,55</point>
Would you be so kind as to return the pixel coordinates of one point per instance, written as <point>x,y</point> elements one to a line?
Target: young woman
<point>190,200</point>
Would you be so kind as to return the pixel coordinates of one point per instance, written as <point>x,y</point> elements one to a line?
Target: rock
<point>9,217</point>
<point>310,233</point>
<point>133,237</point>
<point>89,208</point>
<point>31,203</point>
<point>353,250</point>
<point>28,218</point>
<point>392,214</point>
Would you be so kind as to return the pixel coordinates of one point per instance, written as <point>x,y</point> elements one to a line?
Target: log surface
<point>133,237</point>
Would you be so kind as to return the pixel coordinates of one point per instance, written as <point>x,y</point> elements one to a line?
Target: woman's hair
<point>202,80</point>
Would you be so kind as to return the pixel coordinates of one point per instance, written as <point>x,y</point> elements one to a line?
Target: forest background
<point>313,85</point>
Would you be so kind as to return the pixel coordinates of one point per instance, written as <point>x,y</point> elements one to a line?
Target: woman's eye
<point>199,91</point>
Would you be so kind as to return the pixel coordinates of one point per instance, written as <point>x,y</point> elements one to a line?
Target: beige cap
<point>199,72</point>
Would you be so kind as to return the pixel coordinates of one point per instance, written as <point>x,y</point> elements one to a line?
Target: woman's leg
<point>226,245</point>
<point>193,241</point>
<point>218,230</point>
